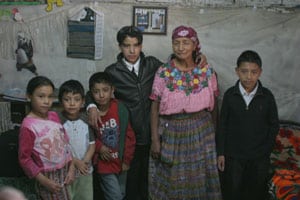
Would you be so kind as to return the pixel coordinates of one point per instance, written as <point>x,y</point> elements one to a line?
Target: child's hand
<point>125,167</point>
<point>94,117</point>
<point>221,163</point>
<point>70,175</point>
<point>155,149</point>
<point>51,185</point>
<point>82,166</point>
<point>105,153</point>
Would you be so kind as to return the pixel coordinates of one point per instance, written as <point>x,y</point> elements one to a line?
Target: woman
<point>183,157</point>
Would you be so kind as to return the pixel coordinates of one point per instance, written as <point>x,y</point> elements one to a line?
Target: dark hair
<point>72,86</point>
<point>130,31</point>
<point>36,82</point>
<point>100,77</point>
<point>249,56</point>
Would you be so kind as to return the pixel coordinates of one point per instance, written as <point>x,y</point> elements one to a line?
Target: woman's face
<point>183,48</point>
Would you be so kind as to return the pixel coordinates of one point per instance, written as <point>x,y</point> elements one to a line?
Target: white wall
<point>224,33</point>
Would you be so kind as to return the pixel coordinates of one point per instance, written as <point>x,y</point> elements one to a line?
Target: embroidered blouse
<point>184,91</point>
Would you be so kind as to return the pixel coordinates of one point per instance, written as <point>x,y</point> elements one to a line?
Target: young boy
<point>82,140</point>
<point>247,130</point>
<point>115,142</point>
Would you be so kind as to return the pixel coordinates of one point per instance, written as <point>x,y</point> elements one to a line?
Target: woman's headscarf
<point>189,32</point>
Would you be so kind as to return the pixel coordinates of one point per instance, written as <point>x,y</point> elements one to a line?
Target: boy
<point>115,142</point>
<point>82,141</point>
<point>247,130</point>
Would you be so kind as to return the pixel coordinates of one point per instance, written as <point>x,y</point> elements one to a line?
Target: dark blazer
<point>247,131</point>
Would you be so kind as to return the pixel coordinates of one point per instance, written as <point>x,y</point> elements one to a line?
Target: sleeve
<point>89,99</point>
<point>129,145</point>
<point>91,135</point>
<point>158,85</point>
<point>26,151</point>
<point>214,82</point>
<point>222,127</point>
<point>92,131</point>
<point>273,121</point>
<point>98,143</point>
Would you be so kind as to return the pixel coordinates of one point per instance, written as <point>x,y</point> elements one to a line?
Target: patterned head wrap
<point>189,32</point>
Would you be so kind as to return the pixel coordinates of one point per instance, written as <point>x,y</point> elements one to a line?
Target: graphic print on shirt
<point>54,146</point>
<point>110,135</point>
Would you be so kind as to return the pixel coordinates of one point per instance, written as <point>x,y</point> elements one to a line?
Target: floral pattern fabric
<point>191,81</point>
<point>184,91</point>
<point>285,159</point>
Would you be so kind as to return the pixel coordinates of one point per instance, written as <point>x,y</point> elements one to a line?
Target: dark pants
<point>137,175</point>
<point>246,179</point>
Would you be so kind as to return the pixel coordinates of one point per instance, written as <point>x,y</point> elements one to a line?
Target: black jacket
<point>134,92</point>
<point>247,131</point>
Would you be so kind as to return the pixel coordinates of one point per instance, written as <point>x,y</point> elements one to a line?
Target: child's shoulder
<point>53,116</point>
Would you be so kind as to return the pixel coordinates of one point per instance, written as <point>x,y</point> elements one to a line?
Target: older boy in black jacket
<point>246,133</point>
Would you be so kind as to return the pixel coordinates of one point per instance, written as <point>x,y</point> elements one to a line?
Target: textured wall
<point>224,33</point>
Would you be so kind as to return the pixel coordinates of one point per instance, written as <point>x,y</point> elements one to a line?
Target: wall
<point>224,31</point>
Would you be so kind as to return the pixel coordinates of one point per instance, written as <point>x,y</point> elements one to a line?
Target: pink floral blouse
<point>184,91</point>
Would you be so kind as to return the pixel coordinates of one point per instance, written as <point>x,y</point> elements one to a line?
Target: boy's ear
<point>236,70</point>
<point>28,97</point>
<point>112,90</point>
<point>83,103</point>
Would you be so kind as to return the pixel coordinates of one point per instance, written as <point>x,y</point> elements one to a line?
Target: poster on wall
<point>150,20</point>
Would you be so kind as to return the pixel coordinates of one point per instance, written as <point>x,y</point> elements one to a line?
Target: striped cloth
<point>58,176</point>
<point>187,168</point>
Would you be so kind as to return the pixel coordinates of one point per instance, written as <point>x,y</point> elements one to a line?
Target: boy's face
<point>131,49</point>
<point>248,74</point>
<point>72,103</point>
<point>102,93</point>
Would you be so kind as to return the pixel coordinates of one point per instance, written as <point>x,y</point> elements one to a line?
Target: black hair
<point>129,31</point>
<point>72,86</point>
<point>100,77</point>
<point>36,82</point>
<point>249,56</point>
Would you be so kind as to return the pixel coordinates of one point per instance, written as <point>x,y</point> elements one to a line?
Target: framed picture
<point>150,20</point>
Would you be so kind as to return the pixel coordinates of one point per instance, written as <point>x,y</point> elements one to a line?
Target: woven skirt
<point>58,176</point>
<point>187,168</point>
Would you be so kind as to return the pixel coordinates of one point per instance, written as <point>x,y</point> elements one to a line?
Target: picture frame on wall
<point>150,20</point>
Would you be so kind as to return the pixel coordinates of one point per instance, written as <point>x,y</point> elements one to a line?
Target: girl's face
<point>102,93</point>
<point>41,100</point>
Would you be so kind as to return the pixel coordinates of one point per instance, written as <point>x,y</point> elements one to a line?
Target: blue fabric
<point>113,185</point>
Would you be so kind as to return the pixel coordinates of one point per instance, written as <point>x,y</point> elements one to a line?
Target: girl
<point>44,152</point>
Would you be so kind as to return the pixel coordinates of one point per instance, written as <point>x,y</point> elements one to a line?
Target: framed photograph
<point>150,20</point>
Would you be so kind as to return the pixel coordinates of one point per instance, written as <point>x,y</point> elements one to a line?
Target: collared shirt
<point>136,65</point>
<point>247,96</point>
